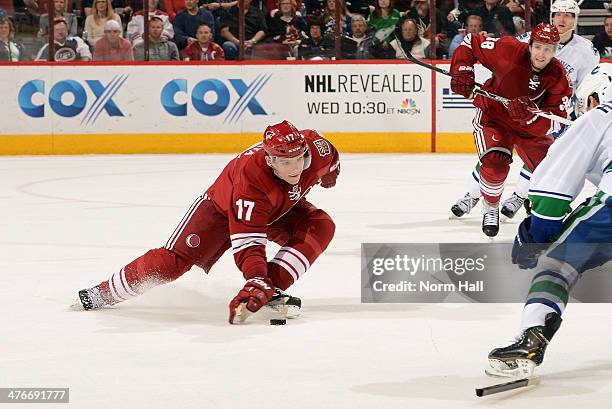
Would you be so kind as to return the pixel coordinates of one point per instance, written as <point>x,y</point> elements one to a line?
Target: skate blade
<point>77,305</point>
<point>285,311</point>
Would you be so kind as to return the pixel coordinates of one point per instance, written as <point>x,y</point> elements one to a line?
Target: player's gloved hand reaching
<point>256,293</point>
<point>525,251</point>
<point>463,80</point>
<point>329,180</point>
<point>521,109</point>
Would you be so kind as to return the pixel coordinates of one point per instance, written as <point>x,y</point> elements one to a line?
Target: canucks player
<point>578,57</point>
<point>580,241</point>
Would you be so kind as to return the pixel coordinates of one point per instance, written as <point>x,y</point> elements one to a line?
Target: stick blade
<point>502,387</point>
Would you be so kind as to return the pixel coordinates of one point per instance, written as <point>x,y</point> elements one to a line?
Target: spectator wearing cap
<point>59,11</point>
<point>410,42</point>
<point>135,27</point>
<point>496,19</point>
<point>10,50</point>
<point>67,48</point>
<point>203,49</point>
<point>383,19</point>
<point>255,28</point>
<point>603,40</point>
<point>473,26</point>
<point>316,45</point>
<point>187,22</point>
<point>94,23</point>
<point>113,47</point>
<point>160,48</point>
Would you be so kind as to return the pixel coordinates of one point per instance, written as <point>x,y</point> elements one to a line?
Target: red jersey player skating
<point>259,196</point>
<point>528,75</point>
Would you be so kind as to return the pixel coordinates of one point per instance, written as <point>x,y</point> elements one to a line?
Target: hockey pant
<point>584,244</point>
<point>202,237</point>
<point>494,144</point>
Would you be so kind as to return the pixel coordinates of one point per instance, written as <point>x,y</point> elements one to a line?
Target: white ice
<point>70,222</point>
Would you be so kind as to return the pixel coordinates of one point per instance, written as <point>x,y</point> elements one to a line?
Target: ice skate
<point>512,205</point>
<point>464,205</point>
<point>90,299</point>
<point>490,220</point>
<point>285,304</point>
<point>521,358</point>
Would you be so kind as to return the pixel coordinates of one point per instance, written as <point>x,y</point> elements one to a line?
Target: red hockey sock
<point>493,173</point>
<point>155,267</point>
<point>311,237</point>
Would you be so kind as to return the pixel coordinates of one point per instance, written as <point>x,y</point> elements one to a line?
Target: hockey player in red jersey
<point>259,196</point>
<point>528,75</point>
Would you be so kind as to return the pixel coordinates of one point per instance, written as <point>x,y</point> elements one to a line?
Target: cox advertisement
<point>224,99</point>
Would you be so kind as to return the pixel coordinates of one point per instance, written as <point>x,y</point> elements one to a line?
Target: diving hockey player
<point>259,196</point>
<point>528,75</point>
<point>580,241</point>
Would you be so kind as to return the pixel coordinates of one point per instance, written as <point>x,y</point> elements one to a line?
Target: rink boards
<point>193,108</point>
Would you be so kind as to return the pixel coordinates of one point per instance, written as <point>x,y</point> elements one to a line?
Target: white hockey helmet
<point>565,6</point>
<point>597,83</point>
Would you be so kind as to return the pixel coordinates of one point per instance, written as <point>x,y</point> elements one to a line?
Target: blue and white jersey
<point>583,153</point>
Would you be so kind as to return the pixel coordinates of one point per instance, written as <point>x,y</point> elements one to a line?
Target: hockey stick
<point>478,88</point>
<point>507,386</point>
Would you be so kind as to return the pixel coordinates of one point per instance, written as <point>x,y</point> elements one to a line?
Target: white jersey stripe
<point>243,235</point>
<point>250,244</point>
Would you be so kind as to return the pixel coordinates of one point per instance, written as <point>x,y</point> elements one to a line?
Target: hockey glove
<point>463,80</point>
<point>521,109</point>
<point>329,180</point>
<point>256,293</point>
<point>525,251</point>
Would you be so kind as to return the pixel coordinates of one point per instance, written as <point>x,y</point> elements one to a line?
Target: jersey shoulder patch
<point>322,147</point>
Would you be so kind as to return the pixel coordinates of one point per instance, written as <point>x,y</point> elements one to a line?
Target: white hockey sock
<point>534,315</point>
<point>522,185</point>
<point>474,184</point>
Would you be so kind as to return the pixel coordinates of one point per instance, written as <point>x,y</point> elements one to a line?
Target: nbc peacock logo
<point>409,106</point>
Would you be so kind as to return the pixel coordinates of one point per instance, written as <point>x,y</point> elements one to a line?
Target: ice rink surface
<point>70,222</point>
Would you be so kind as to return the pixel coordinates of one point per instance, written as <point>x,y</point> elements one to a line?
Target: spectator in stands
<point>603,41</point>
<point>216,7</point>
<point>173,7</point>
<point>316,45</point>
<point>496,19</point>
<point>203,49</point>
<point>419,13</point>
<point>519,25</point>
<point>410,41</point>
<point>474,26</point>
<point>187,22</point>
<point>361,46</point>
<point>135,27</point>
<point>113,47</point>
<point>10,50</point>
<point>160,48</point>
<point>383,19</point>
<point>272,7</point>
<point>457,18</point>
<point>286,26</point>
<point>66,48</point>
<point>255,28</point>
<point>329,17</point>
<point>59,11</point>
<point>314,8</point>
<point>94,23</point>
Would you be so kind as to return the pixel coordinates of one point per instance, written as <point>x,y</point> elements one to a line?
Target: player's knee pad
<point>321,228</point>
<point>496,160</point>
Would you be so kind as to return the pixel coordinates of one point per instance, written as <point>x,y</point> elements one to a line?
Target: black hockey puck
<point>278,322</point>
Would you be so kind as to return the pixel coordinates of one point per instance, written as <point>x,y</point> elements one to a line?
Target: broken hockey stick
<point>478,88</point>
<point>507,386</point>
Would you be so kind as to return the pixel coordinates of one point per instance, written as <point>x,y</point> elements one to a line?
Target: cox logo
<point>219,97</point>
<point>59,104</point>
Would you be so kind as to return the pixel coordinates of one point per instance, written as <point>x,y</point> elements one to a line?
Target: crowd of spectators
<point>195,30</point>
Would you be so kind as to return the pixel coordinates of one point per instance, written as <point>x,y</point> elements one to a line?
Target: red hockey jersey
<point>249,194</point>
<point>513,76</point>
